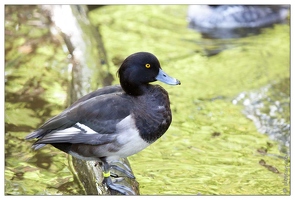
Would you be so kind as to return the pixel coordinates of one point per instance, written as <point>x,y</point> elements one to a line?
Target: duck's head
<point>138,70</point>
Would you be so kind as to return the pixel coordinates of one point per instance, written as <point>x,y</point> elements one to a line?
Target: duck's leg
<point>108,181</point>
<point>126,171</point>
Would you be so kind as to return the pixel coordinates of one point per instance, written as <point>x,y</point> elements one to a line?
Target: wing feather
<point>92,121</point>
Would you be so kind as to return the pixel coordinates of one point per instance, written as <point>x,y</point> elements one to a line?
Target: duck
<point>235,16</point>
<point>115,121</point>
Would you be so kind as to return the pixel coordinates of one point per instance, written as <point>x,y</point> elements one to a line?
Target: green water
<point>210,147</point>
<point>36,82</point>
<point>188,159</point>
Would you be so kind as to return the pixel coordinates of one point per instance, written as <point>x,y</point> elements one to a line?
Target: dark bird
<point>236,16</point>
<point>235,21</point>
<point>115,121</point>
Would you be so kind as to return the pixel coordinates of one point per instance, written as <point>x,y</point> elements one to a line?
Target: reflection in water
<point>36,81</point>
<point>89,67</point>
<point>211,47</point>
<point>226,26</point>
<point>269,109</point>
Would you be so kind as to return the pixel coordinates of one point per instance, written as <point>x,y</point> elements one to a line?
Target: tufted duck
<point>115,121</point>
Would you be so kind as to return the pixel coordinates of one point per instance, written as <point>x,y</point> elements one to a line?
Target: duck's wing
<point>92,121</point>
<point>101,91</point>
<point>61,121</point>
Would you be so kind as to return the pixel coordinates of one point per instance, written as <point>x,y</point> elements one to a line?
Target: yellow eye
<point>147,65</point>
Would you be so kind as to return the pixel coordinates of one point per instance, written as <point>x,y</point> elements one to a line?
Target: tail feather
<point>37,146</point>
<point>58,122</point>
<point>36,134</point>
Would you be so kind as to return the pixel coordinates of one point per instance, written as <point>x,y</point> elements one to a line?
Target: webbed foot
<point>113,186</point>
<point>117,187</point>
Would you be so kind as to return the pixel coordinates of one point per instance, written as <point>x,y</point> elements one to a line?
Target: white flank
<point>128,136</point>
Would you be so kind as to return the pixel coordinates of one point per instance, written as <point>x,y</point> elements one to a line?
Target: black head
<point>138,70</point>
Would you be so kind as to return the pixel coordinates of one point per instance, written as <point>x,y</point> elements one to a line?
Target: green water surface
<point>211,148</point>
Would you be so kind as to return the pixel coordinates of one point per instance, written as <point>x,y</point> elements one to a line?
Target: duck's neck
<point>134,89</point>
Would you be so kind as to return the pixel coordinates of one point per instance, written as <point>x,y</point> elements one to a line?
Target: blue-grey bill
<point>165,78</point>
